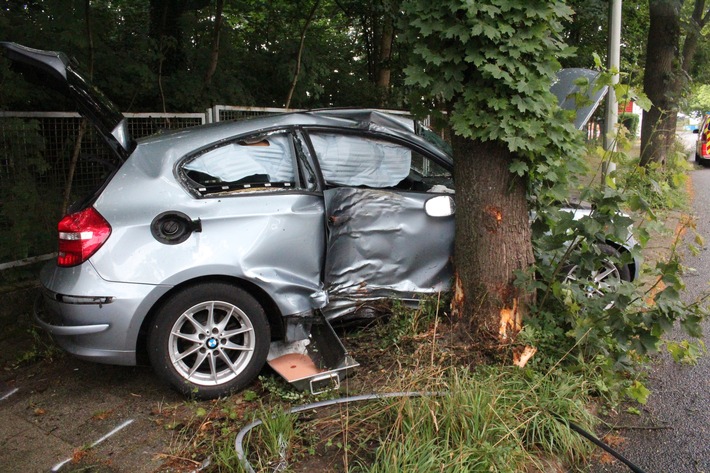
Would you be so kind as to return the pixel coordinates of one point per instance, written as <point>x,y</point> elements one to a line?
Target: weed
<point>271,442</point>
<point>282,390</point>
<point>42,347</point>
<point>487,420</point>
<point>686,352</point>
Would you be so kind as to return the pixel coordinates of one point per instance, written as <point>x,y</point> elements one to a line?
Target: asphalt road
<point>672,435</point>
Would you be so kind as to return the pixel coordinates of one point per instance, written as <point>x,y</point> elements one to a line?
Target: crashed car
<point>216,248</point>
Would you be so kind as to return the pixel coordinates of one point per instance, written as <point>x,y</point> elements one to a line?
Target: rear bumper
<point>704,160</point>
<point>90,318</point>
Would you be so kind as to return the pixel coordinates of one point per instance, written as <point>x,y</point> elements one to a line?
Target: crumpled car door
<point>380,242</point>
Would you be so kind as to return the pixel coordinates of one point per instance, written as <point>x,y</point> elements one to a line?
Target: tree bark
<point>494,236</point>
<point>214,54</point>
<point>663,80</point>
<point>301,45</point>
<point>385,56</point>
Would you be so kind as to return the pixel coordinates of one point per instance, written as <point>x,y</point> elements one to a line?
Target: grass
<point>485,418</point>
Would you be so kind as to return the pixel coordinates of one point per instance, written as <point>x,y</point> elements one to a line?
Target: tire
<point>605,277</point>
<point>209,340</point>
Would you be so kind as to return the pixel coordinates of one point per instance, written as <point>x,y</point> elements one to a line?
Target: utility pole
<point>612,105</point>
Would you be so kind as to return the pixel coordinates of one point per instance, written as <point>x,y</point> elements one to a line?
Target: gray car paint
<point>382,244</point>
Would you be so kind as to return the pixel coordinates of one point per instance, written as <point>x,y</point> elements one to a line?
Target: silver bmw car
<point>206,245</point>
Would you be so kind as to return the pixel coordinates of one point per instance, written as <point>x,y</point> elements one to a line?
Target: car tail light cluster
<point>81,234</point>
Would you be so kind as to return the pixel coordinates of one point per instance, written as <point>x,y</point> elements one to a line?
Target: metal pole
<point>612,105</point>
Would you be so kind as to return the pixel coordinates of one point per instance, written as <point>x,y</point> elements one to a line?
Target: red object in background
<point>627,107</point>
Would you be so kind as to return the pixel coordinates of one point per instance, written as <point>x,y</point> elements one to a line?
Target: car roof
<point>366,120</point>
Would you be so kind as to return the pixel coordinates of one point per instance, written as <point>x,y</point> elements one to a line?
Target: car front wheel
<point>603,279</point>
<point>209,340</point>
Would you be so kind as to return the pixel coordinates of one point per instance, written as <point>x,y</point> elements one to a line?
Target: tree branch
<point>300,53</point>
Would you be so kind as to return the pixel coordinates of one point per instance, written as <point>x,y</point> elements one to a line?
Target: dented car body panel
<point>381,244</point>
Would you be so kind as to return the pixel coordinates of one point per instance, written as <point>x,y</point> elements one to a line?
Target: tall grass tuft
<point>493,420</point>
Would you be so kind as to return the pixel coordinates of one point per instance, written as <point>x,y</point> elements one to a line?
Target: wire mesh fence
<point>36,150</point>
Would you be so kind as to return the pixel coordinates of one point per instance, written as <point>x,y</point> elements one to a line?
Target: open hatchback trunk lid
<point>56,70</point>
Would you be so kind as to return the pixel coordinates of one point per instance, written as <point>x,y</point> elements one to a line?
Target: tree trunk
<point>301,45</point>
<point>663,80</point>
<point>385,68</point>
<point>493,232</point>
<point>214,55</point>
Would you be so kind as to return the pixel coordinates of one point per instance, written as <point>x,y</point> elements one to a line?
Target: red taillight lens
<point>80,235</point>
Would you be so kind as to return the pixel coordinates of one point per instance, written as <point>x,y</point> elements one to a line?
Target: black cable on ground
<point>598,443</point>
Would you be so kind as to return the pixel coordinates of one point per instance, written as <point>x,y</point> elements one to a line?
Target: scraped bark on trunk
<point>493,240</point>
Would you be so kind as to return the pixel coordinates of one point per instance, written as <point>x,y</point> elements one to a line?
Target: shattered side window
<point>260,163</point>
<point>349,160</point>
<point>428,168</point>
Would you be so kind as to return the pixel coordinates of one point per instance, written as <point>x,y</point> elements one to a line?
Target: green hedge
<point>630,121</point>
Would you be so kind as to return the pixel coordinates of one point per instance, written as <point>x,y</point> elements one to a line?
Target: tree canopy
<point>155,55</point>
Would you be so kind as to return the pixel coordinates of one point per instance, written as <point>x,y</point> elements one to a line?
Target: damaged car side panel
<point>382,244</point>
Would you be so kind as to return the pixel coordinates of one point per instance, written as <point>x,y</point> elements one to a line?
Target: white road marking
<point>59,465</point>
<point>7,395</point>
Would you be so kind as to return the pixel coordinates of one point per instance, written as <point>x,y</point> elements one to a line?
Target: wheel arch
<point>624,251</point>
<point>273,314</point>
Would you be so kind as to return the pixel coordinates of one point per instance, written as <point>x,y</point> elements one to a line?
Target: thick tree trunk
<point>493,240</point>
<point>662,80</point>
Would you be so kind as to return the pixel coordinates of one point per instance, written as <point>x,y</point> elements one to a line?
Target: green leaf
<point>638,392</point>
<point>519,167</point>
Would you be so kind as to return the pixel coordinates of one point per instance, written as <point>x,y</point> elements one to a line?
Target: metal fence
<point>36,150</point>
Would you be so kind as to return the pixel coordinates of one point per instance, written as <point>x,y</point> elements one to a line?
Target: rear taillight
<point>81,234</point>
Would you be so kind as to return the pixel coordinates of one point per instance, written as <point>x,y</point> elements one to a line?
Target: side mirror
<point>696,131</point>
<point>440,206</point>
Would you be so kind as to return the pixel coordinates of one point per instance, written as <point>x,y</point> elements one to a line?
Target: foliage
<point>630,121</point>
<point>508,97</point>
<point>281,390</point>
<point>699,98</point>
<point>609,336</point>
<point>41,347</point>
<point>25,228</point>
<point>587,31</point>
<point>686,352</point>
<point>271,441</point>
<point>138,63</point>
<point>489,420</point>
<point>406,322</point>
